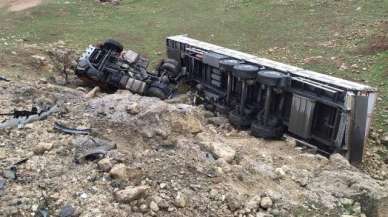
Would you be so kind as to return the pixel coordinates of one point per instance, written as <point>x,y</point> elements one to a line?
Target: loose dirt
<point>19,5</point>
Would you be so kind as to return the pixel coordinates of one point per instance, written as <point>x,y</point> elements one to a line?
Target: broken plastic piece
<point>68,130</point>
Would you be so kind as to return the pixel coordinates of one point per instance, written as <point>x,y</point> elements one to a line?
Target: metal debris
<point>21,113</point>
<point>10,173</point>
<point>88,148</point>
<point>61,128</point>
<point>21,121</point>
<point>4,79</point>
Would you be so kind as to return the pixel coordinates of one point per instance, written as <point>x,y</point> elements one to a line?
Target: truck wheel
<point>114,45</point>
<point>228,64</point>
<point>172,69</point>
<point>238,120</point>
<point>156,92</point>
<point>245,71</point>
<point>172,61</point>
<point>271,78</point>
<point>266,132</point>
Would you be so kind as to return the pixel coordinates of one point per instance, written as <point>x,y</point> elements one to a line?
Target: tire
<point>172,61</point>
<point>111,44</point>
<point>156,92</point>
<point>239,121</point>
<point>266,132</point>
<point>172,70</point>
<point>272,78</point>
<point>171,66</point>
<point>227,65</point>
<point>245,71</point>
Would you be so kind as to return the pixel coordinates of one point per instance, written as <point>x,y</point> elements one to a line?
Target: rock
<point>67,211</point>
<point>133,108</point>
<point>218,121</point>
<point>346,202</point>
<point>266,202</point>
<point>90,148</point>
<point>105,164</point>
<point>39,58</point>
<point>42,147</point>
<point>10,173</point>
<point>357,208</point>
<point>163,204</point>
<point>280,173</point>
<point>220,150</point>
<point>339,161</point>
<point>119,171</point>
<point>154,206</point>
<point>2,183</point>
<point>180,200</point>
<point>223,164</point>
<point>130,193</point>
<point>143,208</point>
<point>233,201</point>
<point>384,140</point>
<point>261,214</point>
<point>218,171</point>
<point>253,203</point>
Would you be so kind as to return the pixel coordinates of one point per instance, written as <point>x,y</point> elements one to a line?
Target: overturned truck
<point>268,98</point>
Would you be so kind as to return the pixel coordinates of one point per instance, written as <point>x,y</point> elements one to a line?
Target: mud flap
<point>358,130</point>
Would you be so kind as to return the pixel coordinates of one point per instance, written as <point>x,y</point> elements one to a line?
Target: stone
<point>105,164</point>
<point>266,202</point>
<point>280,173</point>
<point>67,211</point>
<point>253,203</point>
<point>2,183</point>
<point>130,193</point>
<point>220,150</point>
<point>90,148</point>
<point>357,208</point>
<point>218,121</point>
<point>163,204</point>
<point>42,147</point>
<point>162,185</point>
<point>384,139</point>
<point>347,202</point>
<point>233,201</point>
<point>154,206</point>
<point>10,173</point>
<point>180,200</point>
<point>119,171</point>
<point>143,208</point>
<point>339,161</point>
<point>133,108</point>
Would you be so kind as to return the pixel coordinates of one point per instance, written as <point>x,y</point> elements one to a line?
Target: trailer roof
<point>350,85</point>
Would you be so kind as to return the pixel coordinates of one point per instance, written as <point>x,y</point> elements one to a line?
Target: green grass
<point>334,30</point>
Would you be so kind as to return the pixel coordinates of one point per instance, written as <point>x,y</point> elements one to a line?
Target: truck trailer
<point>274,100</point>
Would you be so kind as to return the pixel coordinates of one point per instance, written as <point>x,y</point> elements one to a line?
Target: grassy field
<point>344,38</point>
